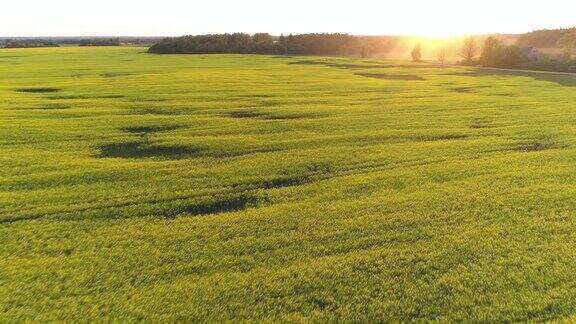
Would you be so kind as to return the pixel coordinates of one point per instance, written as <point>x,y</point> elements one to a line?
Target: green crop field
<point>139,187</point>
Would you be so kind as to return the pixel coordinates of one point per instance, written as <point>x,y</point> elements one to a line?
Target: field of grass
<point>137,187</point>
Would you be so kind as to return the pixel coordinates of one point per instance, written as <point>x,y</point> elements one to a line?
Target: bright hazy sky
<point>380,17</point>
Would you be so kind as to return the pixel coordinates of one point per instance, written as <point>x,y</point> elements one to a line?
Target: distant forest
<point>546,38</point>
<point>305,44</point>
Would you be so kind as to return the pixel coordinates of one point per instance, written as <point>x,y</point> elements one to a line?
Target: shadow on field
<point>536,146</point>
<point>156,111</point>
<point>561,79</point>
<point>115,74</point>
<point>80,97</point>
<point>480,123</point>
<point>143,130</point>
<point>370,65</point>
<point>251,114</point>
<point>247,199</point>
<point>277,183</point>
<point>463,89</point>
<point>140,99</point>
<point>15,219</point>
<point>143,149</point>
<point>248,195</point>
<point>39,90</point>
<point>215,206</point>
<point>53,106</point>
<point>437,137</point>
<point>384,76</point>
<point>46,107</point>
<point>146,150</point>
<point>255,96</point>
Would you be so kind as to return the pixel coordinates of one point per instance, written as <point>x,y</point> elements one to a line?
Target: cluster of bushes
<point>100,42</point>
<point>494,54</point>
<point>30,43</point>
<point>239,43</point>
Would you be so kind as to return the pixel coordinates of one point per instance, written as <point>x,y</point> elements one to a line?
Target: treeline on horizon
<point>321,44</point>
<point>28,43</point>
<point>488,51</point>
<point>35,43</point>
<point>545,38</point>
<point>261,43</point>
<point>100,42</point>
<point>502,51</point>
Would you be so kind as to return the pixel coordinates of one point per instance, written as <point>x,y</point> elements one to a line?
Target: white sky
<point>181,17</point>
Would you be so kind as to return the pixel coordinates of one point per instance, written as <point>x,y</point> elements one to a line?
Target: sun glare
<point>438,32</point>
